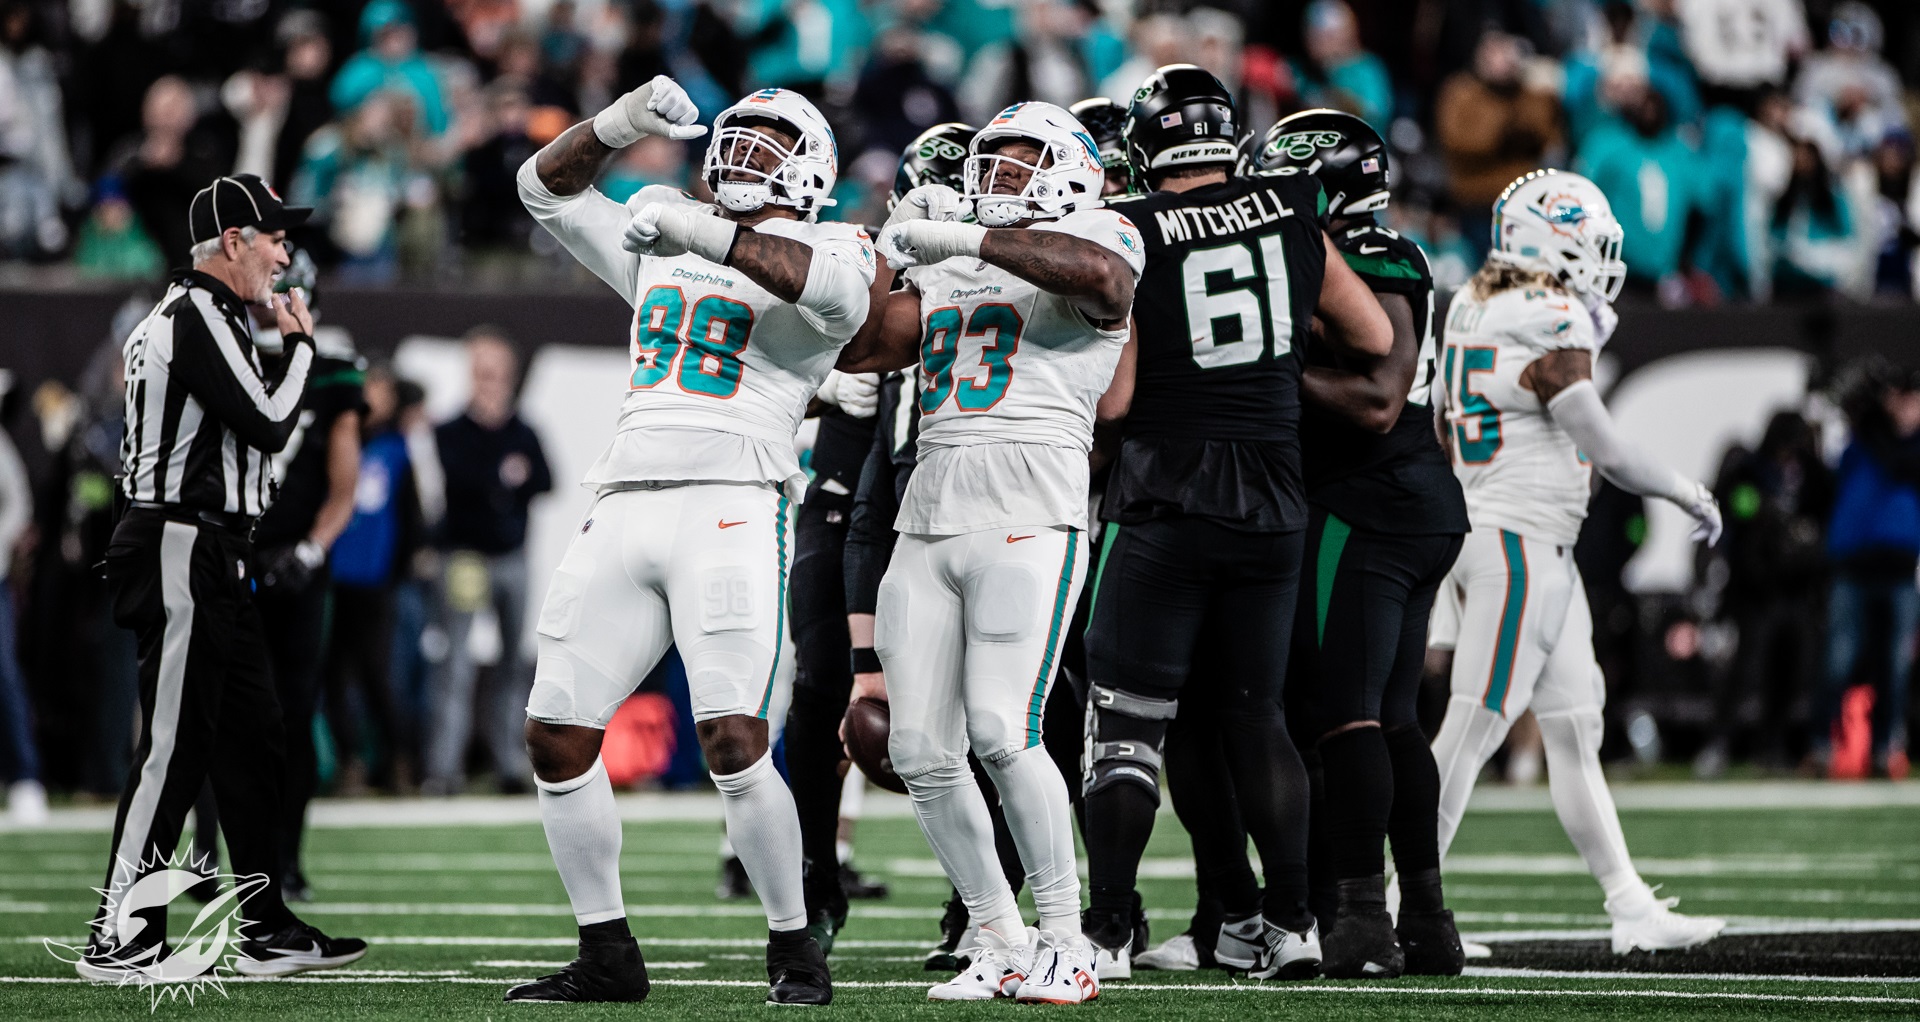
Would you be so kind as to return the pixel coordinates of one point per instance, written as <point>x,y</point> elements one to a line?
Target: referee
<point>203,420</point>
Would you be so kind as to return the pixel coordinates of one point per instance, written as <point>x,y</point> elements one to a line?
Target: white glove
<point>857,394</point>
<point>1604,320</point>
<point>916,242</point>
<point>660,107</point>
<point>1706,514</point>
<point>927,202</point>
<point>664,230</point>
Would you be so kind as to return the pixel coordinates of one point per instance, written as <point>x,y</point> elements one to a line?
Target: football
<point>867,724</point>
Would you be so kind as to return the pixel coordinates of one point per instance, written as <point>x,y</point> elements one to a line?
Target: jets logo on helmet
<point>1301,145</point>
<point>1561,224</point>
<point>1337,149</point>
<point>937,157</point>
<point>748,169</point>
<point>1065,176</point>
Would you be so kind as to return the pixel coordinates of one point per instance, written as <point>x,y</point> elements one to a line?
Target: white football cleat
<point>1288,955</point>
<point>1180,954</point>
<point>1659,928</point>
<point>1063,972</point>
<point>996,968</point>
<point>1473,950</point>
<point>1113,963</point>
<point>1241,943</point>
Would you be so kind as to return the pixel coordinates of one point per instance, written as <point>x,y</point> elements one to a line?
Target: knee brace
<point>1124,736</point>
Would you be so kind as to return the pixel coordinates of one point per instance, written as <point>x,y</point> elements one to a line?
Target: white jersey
<point>1520,470</point>
<point>721,370</point>
<point>1009,376</point>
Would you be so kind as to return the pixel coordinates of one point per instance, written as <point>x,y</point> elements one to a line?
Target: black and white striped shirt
<point>203,418</point>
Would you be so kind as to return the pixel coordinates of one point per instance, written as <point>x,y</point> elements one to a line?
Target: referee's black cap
<point>241,200</point>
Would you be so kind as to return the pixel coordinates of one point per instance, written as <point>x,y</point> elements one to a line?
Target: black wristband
<point>864,660</point>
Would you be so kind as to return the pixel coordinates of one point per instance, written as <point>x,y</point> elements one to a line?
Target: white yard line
<point>1117,990</point>
<point>1489,972</point>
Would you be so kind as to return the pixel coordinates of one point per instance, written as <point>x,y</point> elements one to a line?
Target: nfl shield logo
<point>1171,120</point>
<point>1370,165</point>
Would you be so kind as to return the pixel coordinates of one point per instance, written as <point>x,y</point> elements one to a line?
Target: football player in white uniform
<point>1018,321</point>
<point>1526,426</point>
<point>739,313</point>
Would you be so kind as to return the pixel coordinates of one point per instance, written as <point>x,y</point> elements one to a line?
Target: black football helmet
<point>1181,117</point>
<point>937,157</point>
<point>1106,121</point>
<point>1339,150</point>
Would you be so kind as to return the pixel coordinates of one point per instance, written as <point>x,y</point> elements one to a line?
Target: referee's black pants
<point>207,703</point>
<point>821,686</point>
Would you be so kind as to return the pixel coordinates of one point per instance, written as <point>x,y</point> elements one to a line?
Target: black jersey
<point>1232,277</point>
<point>1398,481</point>
<point>333,389</point>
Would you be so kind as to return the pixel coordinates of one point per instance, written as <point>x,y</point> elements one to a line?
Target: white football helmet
<point>1561,224</point>
<point>802,177</point>
<point>1067,177</point>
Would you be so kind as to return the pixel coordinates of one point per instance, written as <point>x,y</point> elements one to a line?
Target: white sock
<point>583,830</point>
<point>1034,798</point>
<point>853,793</point>
<point>953,816</point>
<point>1585,806</point>
<point>764,830</point>
<point>1468,737</point>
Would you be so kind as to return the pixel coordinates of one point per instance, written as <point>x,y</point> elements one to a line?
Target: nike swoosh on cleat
<point>1016,539</point>
<point>728,525</point>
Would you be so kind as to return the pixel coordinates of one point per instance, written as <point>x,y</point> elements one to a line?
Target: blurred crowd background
<point>1754,148</point>
<point>1757,151</point>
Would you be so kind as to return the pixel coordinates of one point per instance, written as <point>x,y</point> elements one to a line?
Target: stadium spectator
<point>1851,84</point>
<point>37,179</point>
<point>1741,48</point>
<point>1339,73</point>
<point>173,157</point>
<point>391,61</point>
<point>801,44</point>
<point>1898,217</point>
<point>494,468</point>
<point>1874,543</point>
<point>1493,126</point>
<point>1042,62</point>
<point>354,175</point>
<point>376,548</point>
<point>898,98</point>
<point>113,245</point>
<point>26,797</point>
<point>1648,173</point>
<point>490,212</point>
<point>1155,40</point>
<point>1777,498</point>
<point>521,67</point>
<point>1630,45</point>
<point>1815,234</point>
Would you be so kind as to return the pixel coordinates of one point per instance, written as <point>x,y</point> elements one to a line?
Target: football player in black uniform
<point>1106,121</point>
<point>827,659</point>
<point>1197,576</point>
<point>1385,521</point>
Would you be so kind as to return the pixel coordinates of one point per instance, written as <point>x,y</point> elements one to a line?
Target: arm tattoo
<point>773,262</point>
<point>571,162</point>
<point>1064,265</point>
<point>1555,371</point>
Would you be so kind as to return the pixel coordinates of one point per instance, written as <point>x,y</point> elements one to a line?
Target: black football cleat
<point>1431,943</point>
<point>295,947</point>
<point>859,888</point>
<point>734,884</point>
<point>1361,944</point>
<point>948,956</point>
<point>797,970</point>
<point>1112,935</point>
<point>605,971</point>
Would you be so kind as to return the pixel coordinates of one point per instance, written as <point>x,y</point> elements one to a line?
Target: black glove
<point>290,569</point>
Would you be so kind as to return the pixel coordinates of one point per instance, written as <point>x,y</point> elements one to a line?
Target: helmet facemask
<point>1046,194</point>
<point>747,168</point>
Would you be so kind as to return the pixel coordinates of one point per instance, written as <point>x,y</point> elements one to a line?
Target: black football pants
<point>821,686</point>
<point>207,703</point>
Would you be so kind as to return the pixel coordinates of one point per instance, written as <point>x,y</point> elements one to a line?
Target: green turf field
<point>457,912</point>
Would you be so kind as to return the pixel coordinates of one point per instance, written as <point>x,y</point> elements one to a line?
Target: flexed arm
<point>1091,276</point>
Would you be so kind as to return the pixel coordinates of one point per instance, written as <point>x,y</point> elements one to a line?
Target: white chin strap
<point>1003,209</point>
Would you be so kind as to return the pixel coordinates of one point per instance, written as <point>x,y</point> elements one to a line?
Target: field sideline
<point>1821,885</point>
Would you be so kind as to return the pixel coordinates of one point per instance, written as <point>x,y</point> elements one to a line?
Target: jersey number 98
<point>708,350</point>
<point>1225,317</point>
<point>984,383</point>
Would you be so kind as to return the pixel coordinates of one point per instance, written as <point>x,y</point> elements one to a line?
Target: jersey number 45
<point>707,350</point>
